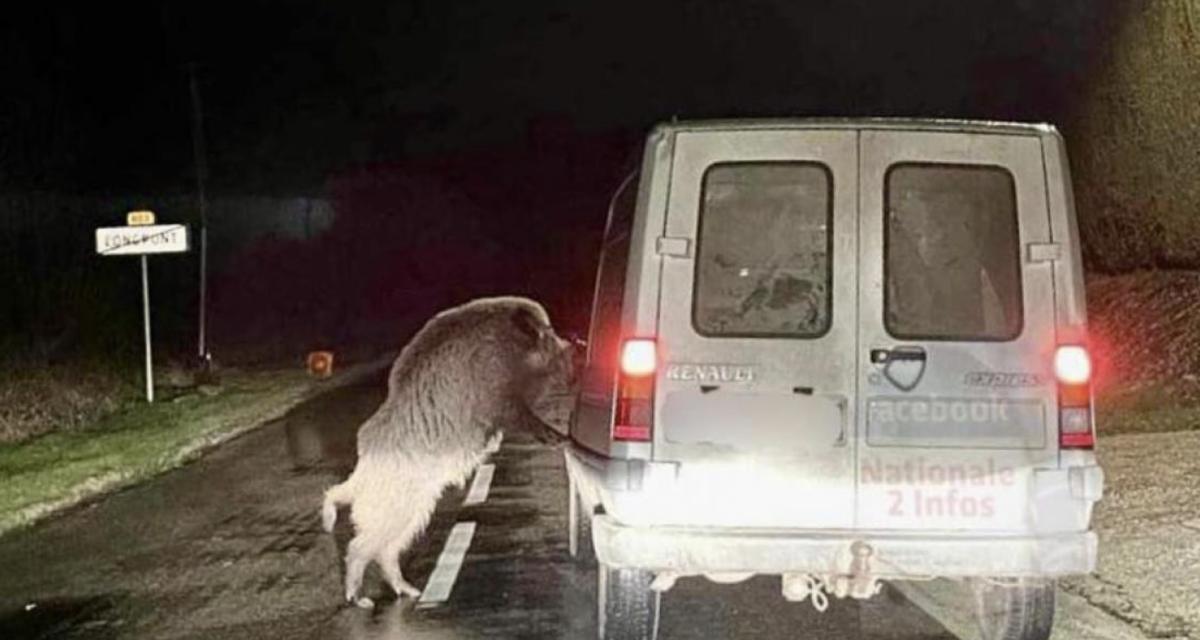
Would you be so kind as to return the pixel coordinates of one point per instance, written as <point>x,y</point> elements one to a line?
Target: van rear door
<point>957,401</point>
<point>757,328</point>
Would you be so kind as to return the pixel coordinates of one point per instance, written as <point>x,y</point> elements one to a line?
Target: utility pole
<point>201,176</point>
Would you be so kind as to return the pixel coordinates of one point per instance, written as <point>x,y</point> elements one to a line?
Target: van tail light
<point>1072,365</point>
<point>633,419</point>
<point>1073,369</point>
<point>639,357</point>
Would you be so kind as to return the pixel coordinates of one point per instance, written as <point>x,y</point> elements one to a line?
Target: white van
<point>839,352</point>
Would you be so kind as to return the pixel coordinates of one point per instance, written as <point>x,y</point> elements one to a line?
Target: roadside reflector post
<point>320,364</point>
<point>141,237</point>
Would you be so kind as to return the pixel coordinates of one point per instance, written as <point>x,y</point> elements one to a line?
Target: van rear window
<point>763,252</point>
<point>952,253</point>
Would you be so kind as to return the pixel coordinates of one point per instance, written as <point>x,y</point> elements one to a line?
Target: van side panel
<point>1070,301</point>
<point>639,316</point>
<point>639,313</point>
<point>1069,288</point>
<point>639,310</point>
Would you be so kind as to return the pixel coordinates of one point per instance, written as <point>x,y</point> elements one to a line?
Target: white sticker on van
<point>711,372</point>
<point>915,491</point>
<point>955,422</point>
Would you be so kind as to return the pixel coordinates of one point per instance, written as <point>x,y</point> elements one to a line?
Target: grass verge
<point>61,469</point>
<point>1154,407</point>
<point>37,397</point>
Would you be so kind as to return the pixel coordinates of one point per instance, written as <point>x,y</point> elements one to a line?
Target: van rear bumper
<point>892,555</point>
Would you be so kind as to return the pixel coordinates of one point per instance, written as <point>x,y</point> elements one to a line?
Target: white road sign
<point>133,241</point>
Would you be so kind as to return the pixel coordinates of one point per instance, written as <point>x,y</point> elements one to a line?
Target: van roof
<point>907,124</point>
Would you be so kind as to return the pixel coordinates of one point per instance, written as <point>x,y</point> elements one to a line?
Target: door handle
<point>903,366</point>
<point>841,439</point>
<point>883,356</point>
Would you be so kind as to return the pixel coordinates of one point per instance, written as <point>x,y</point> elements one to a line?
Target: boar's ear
<point>527,324</point>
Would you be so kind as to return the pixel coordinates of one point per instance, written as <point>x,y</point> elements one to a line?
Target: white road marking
<point>441,581</point>
<point>480,485</point>
<point>450,562</point>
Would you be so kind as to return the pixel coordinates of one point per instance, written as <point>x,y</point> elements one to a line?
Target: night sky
<point>96,96</point>
<point>465,147</point>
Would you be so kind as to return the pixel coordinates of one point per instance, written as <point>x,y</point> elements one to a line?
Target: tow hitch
<point>858,583</point>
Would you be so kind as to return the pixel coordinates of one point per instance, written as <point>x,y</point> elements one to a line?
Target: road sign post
<point>146,322</point>
<point>142,237</point>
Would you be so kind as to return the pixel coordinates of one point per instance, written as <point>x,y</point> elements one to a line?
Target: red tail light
<point>633,419</point>
<point>1072,365</point>
<point>1073,369</point>
<point>639,357</point>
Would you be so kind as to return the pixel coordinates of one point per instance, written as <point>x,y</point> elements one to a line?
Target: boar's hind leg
<point>357,557</point>
<point>411,520</point>
<point>391,572</point>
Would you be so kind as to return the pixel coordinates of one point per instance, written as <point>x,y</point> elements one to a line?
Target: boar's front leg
<point>522,418</point>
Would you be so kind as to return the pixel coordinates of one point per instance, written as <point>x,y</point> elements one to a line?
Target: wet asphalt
<point>231,547</point>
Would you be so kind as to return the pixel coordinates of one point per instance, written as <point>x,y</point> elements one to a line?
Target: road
<point>231,547</point>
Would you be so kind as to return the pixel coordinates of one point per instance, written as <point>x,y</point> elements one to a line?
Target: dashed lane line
<point>437,589</point>
<point>480,485</point>
<point>454,553</point>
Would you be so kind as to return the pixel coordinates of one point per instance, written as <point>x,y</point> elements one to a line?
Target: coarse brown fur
<point>461,381</point>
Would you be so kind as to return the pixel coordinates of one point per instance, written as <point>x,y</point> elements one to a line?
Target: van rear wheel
<point>1014,610</point>
<point>627,606</point>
